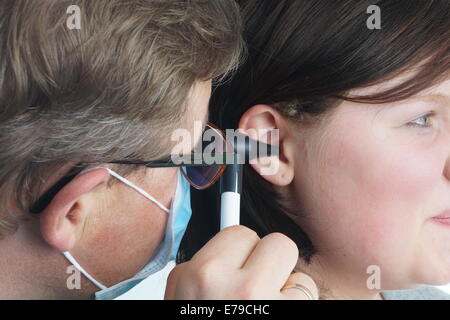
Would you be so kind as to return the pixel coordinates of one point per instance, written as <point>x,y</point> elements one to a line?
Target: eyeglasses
<point>199,172</point>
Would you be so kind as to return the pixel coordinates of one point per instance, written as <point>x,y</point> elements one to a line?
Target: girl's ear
<point>263,123</point>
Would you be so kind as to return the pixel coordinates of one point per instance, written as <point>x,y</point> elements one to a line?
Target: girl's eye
<point>421,122</point>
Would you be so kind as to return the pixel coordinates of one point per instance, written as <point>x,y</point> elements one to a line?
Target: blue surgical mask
<point>179,216</point>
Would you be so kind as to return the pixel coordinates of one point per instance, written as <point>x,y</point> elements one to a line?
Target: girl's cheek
<point>379,189</point>
<point>388,169</point>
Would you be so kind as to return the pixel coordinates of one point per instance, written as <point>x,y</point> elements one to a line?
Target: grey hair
<point>114,89</point>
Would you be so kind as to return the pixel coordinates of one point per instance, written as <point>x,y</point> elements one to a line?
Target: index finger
<point>230,247</point>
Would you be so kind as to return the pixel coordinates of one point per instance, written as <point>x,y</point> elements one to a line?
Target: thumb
<point>300,286</point>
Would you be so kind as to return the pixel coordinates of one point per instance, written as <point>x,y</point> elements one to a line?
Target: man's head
<point>113,89</point>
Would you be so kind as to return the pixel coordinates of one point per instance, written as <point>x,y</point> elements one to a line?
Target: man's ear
<point>265,124</point>
<point>64,217</point>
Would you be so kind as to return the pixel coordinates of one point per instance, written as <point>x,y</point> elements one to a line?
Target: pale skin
<point>367,183</point>
<point>112,231</point>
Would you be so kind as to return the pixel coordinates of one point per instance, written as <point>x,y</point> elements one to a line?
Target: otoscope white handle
<point>229,209</point>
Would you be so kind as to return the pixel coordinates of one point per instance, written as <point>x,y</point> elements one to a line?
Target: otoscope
<point>245,149</point>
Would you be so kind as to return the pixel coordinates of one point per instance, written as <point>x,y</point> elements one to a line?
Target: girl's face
<point>370,182</point>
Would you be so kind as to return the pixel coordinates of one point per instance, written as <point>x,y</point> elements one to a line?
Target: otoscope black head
<point>245,149</point>
<point>248,149</point>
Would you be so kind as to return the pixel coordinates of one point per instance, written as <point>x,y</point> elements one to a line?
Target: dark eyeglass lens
<point>211,144</point>
<point>202,176</point>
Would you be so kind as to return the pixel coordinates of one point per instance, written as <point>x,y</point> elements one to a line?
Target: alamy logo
<point>214,149</point>
<point>74,19</point>
<point>374,280</point>
<point>74,280</point>
<point>374,21</point>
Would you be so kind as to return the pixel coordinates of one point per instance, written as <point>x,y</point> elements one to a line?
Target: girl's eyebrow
<point>436,97</point>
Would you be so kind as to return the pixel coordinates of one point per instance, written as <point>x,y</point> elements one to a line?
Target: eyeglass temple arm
<point>243,145</point>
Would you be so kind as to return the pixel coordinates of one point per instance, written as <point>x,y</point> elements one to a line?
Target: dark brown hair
<point>303,58</point>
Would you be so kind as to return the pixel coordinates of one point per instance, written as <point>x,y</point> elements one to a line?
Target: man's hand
<point>236,264</point>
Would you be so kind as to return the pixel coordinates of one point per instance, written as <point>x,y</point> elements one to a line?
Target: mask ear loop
<point>128,183</point>
<point>131,185</point>
<point>80,268</point>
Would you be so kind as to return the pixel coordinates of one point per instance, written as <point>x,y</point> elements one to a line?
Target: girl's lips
<point>443,218</point>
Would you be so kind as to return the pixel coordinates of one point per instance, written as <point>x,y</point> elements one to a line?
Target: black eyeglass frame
<point>194,159</point>
<point>191,160</point>
<point>188,161</point>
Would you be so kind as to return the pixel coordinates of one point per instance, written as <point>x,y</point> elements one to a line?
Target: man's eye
<point>421,122</point>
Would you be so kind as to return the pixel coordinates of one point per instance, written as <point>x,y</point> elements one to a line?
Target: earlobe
<point>64,217</point>
<point>264,123</point>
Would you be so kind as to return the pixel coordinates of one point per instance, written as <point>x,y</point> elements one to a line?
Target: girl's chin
<point>438,279</point>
